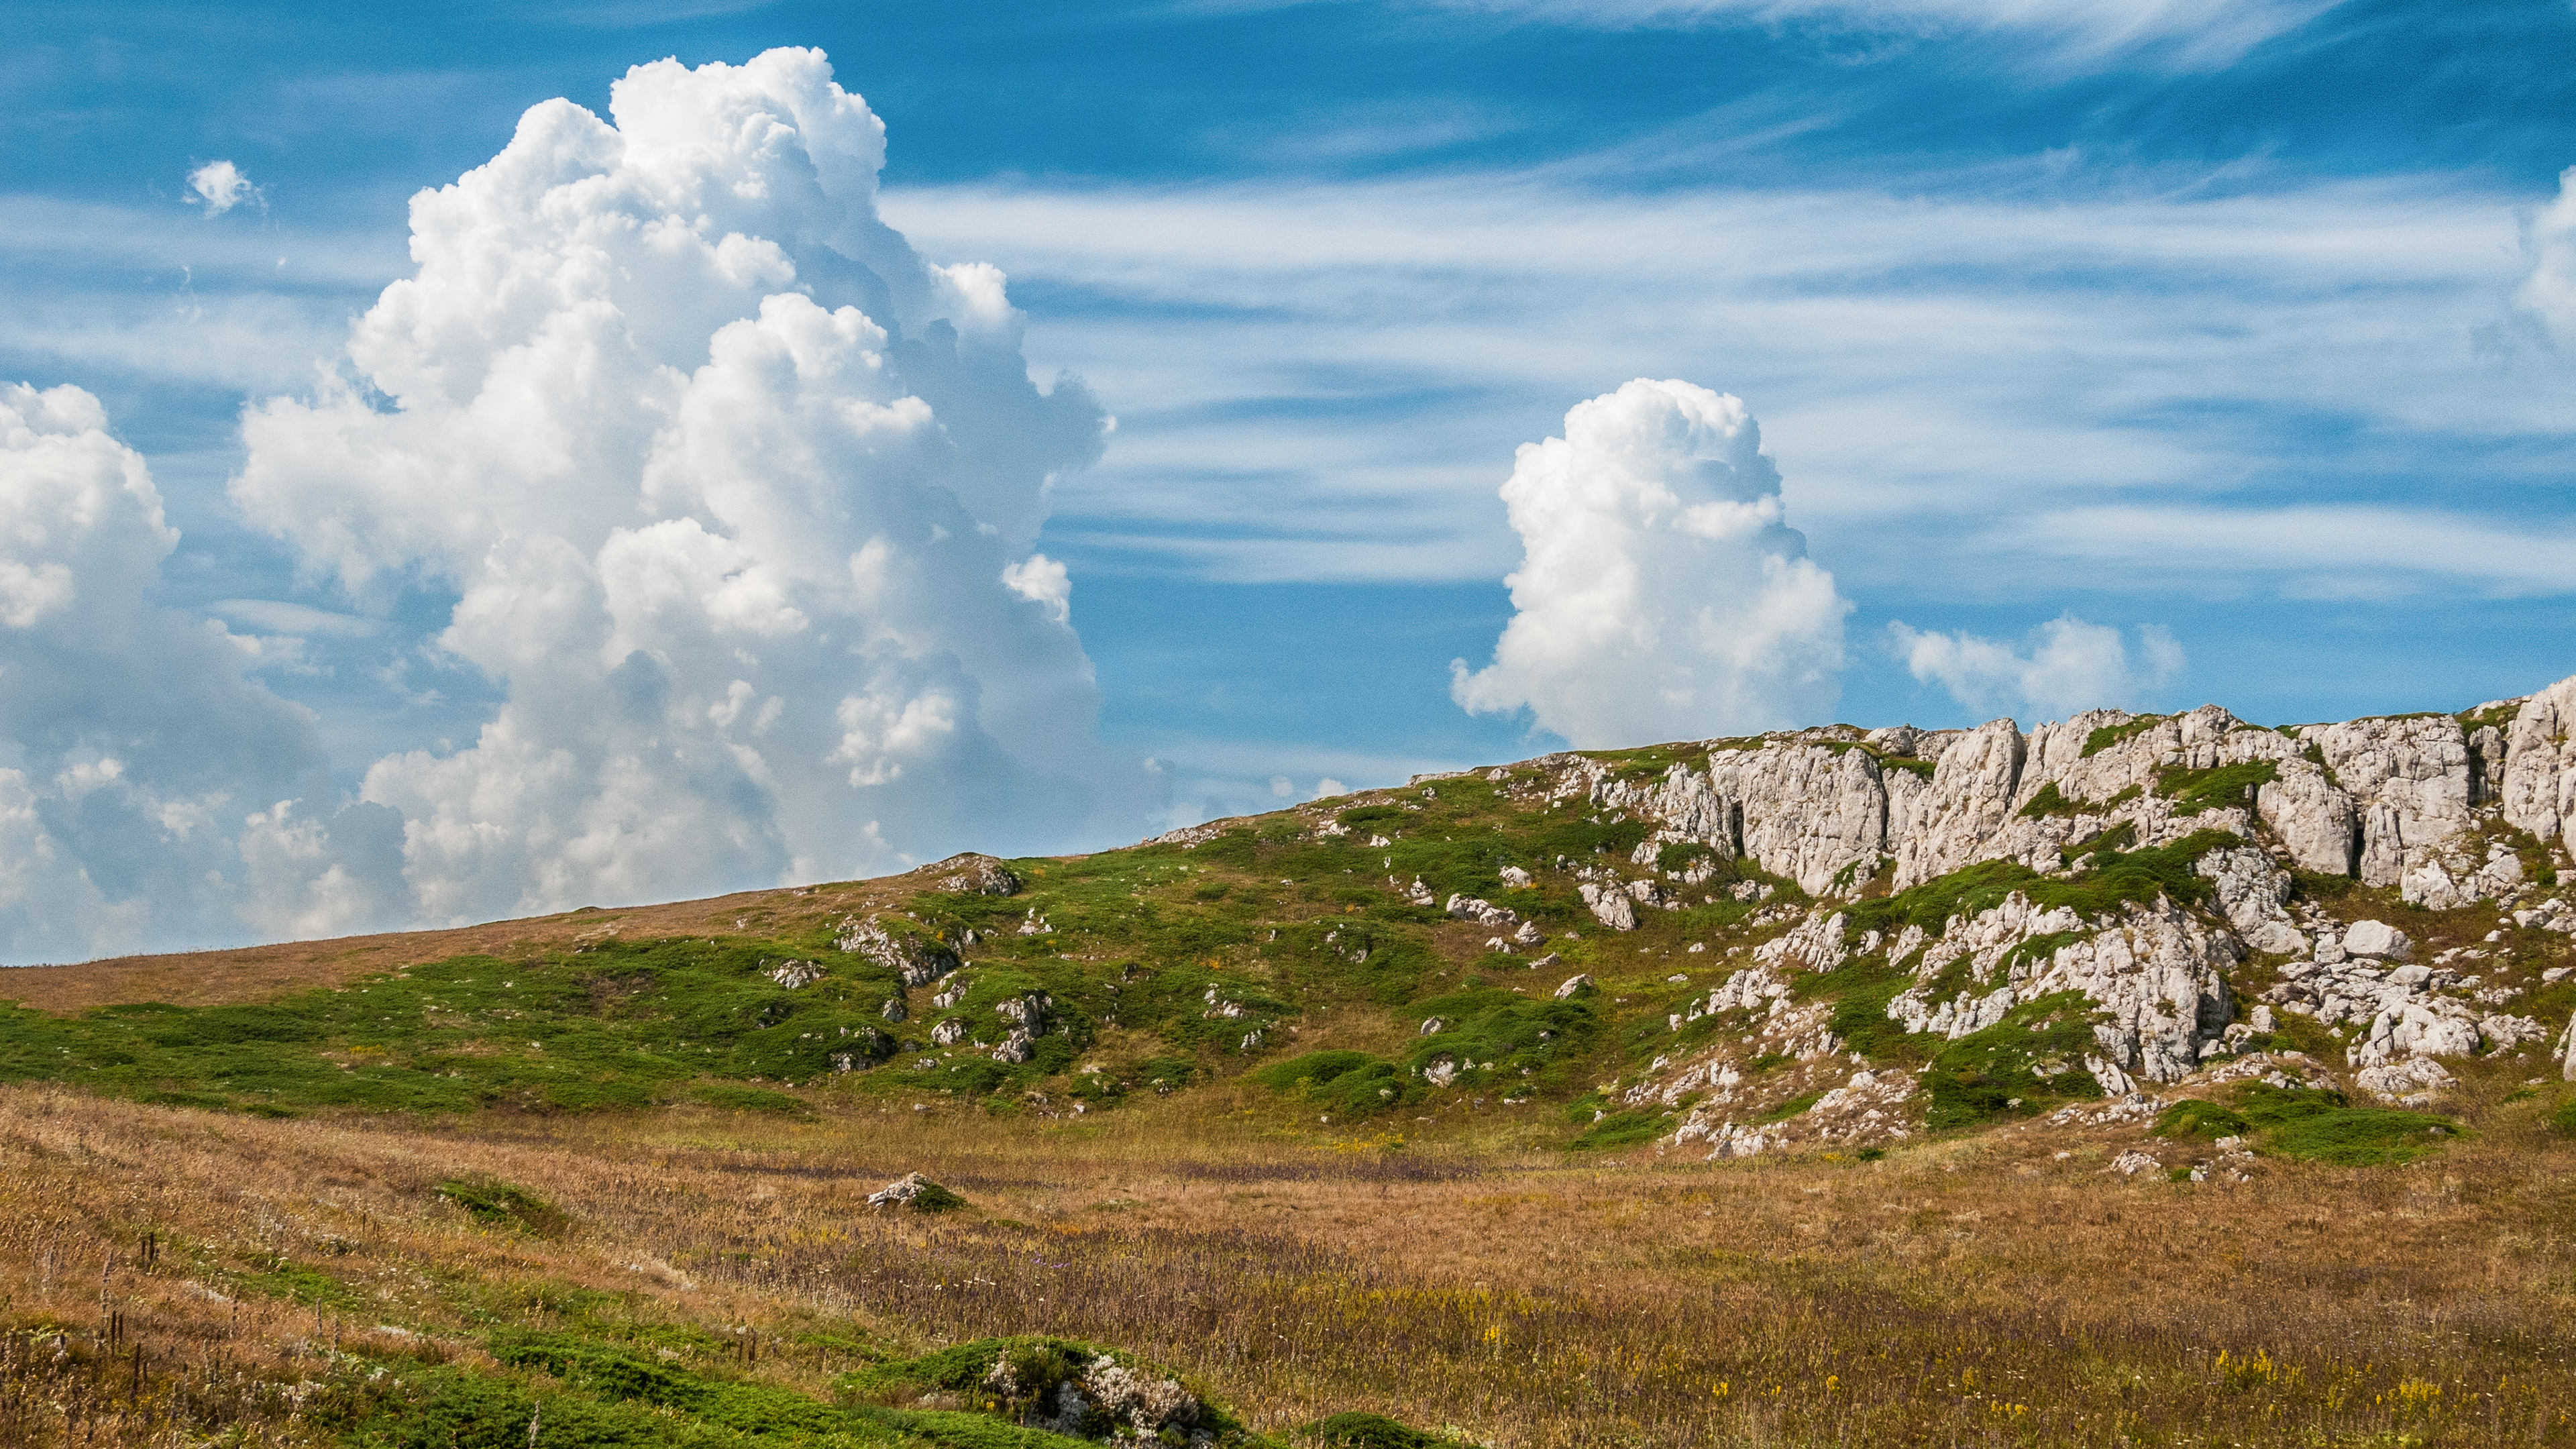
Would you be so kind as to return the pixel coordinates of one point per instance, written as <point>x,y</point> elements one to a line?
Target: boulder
<point>1612,907</point>
<point>916,1192</point>
<point>795,975</point>
<point>2377,940</point>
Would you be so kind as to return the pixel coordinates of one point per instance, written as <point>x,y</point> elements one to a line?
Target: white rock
<point>1572,985</point>
<point>2377,940</point>
<point>2410,779</point>
<point>2540,762</point>
<point>1515,877</point>
<point>2314,820</point>
<point>1612,907</point>
<point>2251,889</point>
<point>2408,1080</point>
<point>1970,800</point>
<point>2278,937</point>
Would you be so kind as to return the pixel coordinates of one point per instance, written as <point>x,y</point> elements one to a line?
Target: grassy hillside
<point>1241,1115</point>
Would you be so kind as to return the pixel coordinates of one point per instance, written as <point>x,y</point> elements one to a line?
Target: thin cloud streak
<point>1923,365</point>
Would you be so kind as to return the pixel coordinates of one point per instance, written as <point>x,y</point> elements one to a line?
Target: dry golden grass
<point>260,973</point>
<point>1978,1291</point>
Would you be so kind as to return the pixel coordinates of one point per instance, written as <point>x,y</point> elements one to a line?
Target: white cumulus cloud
<point>736,494</point>
<point>2066,665</point>
<point>140,771</point>
<point>219,186</point>
<point>2549,290</point>
<point>1661,595</point>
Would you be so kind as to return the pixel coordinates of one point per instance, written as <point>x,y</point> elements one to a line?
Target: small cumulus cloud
<point>1661,594</point>
<point>219,186</point>
<point>2064,666</point>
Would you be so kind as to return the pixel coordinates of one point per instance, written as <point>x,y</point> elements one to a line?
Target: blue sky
<point>2209,325</point>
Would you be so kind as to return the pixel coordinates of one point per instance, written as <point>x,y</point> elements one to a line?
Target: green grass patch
<point>2194,791</point>
<point>1624,1129</point>
<point>1341,1083</point>
<point>2029,1062</point>
<point>2193,1117</point>
<point>2047,801</point>
<point>2109,735</point>
<point>1368,1431</point>
<point>495,1203</point>
<point>2316,1125</point>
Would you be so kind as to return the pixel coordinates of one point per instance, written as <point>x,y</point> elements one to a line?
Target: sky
<point>531,456</point>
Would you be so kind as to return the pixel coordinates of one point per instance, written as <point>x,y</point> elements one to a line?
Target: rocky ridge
<point>2454,813</point>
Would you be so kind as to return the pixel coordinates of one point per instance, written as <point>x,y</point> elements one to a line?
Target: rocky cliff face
<point>1891,832</point>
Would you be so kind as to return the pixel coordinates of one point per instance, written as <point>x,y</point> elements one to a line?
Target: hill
<point>2171,949</point>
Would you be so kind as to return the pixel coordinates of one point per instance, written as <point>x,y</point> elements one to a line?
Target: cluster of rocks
<point>2394,802</point>
<point>1486,913</point>
<point>974,875</point>
<point>1106,1400</point>
<point>2362,975</point>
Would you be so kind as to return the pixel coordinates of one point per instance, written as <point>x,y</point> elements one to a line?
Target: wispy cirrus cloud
<point>1313,380</point>
<point>2175,34</point>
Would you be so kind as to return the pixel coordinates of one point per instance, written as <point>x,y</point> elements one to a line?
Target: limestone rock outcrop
<point>2414,802</point>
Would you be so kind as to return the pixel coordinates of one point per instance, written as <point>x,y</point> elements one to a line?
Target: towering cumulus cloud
<point>1661,596</point>
<point>141,775</point>
<point>735,495</point>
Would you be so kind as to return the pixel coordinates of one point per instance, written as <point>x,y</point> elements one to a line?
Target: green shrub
<point>1367,1431</point>
<point>2193,1117</point>
<point>2109,735</point>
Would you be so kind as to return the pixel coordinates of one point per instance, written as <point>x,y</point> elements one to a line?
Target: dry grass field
<point>177,1277</point>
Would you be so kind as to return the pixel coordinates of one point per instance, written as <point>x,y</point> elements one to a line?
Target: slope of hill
<point>1826,934</point>
<point>2122,951</point>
